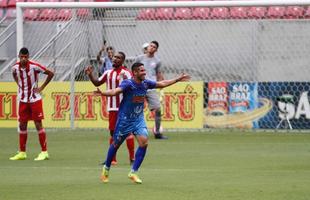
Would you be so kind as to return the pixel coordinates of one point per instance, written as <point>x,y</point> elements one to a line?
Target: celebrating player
<point>130,117</point>
<point>25,74</point>
<point>113,78</point>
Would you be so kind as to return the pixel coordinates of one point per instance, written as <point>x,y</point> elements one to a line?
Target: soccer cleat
<point>104,175</point>
<point>19,156</point>
<point>160,136</point>
<point>134,177</point>
<point>42,156</point>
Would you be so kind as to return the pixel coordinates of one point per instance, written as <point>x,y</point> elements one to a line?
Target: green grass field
<point>191,166</point>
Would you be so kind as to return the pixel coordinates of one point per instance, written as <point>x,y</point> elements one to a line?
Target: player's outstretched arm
<point>112,92</point>
<point>166,83</point>
<point>89,71</point>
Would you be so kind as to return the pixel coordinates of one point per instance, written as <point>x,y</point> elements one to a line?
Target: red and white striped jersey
<point>113,79</point>
<point>27,80</point>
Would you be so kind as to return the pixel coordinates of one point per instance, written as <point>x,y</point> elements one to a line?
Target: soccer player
<point>25,74</point>
<point>152,66</point>
<point>113,78</point>
<point>131,118</point>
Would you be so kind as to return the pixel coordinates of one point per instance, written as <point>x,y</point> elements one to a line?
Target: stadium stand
<point>257,12</point>
<point>238,12</point>
<point>183,13</point>
<point>147,14</point>
<point>164,13</point>
<point>276,12</point>
<point>307,12</point>
<point>3,3</point>
<point>31,14</point>
<point>294,12</point>
<point>10,13</point>
<point>64,14</point>
<point>201,13</point>
<point>220,13</point>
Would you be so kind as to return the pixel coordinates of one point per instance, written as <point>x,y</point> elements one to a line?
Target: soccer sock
<point>22,140</point>
<point>111,153</point>
<point>42,139</point>
<point>139,158</point>
<point>157,121</point>
<point>111,141</point>
<point>130,141</point>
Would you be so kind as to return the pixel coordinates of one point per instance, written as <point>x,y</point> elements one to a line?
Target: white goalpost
<point>253,49</point>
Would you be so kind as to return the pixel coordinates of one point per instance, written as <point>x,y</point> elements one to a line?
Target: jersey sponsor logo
<point>138,99</point>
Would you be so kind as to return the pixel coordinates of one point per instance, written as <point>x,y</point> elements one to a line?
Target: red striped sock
<point>22,140</point>
<point>130,141</point>
<point>42,139</point>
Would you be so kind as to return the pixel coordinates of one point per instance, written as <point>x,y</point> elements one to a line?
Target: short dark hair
<point>135,66</point>
<point>123,54</point>
<point>24,51</point>
<point>109,48</point>
<point>156,43</point>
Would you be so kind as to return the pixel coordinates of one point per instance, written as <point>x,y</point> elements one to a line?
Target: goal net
<point>253,56</point>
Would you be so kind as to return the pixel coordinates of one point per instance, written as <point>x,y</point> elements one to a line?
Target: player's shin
<point>140,154</point>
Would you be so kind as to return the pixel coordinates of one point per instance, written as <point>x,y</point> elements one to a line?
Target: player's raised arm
<point>89,71</point>
<point>112,92</point>
<point>166,83</point>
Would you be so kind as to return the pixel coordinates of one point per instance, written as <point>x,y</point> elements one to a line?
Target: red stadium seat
<point>48,14</point>
<point>294,12</point>
<point>183,13</point>
<point>34,1</point>
<point>10,13</point>
<point>12,3</point>
<point>164,13</point>
<point>307,13</point>
<point>64,14</point>
<point>239,12</point>
<point>31,14</point>
<point>276,12</point>
<point>201,13</point>
<point>257,12</point>
<point>220,13</point>
<point>3,3</point>
<point>146,14</point>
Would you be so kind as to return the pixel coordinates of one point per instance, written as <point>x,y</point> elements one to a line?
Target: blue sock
<point>139,157</point>
<point>112,151</point>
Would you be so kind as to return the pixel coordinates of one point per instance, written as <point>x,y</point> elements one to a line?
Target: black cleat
<point>160,136</point>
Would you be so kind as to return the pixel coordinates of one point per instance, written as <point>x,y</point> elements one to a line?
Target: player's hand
<point>123,75</point>
<point>184,77</point>
<point>89,70</point>
<point>37,90</point>
<point>97,92</point>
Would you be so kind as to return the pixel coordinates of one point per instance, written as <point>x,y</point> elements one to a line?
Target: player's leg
<point>130,142</point>
<point>112,123</point>
<point>118,139</point>
<point>43,155</point>
<point>24,115</point>
<point>38,116</point>
<point>142,138</point>
<point>154,105</point>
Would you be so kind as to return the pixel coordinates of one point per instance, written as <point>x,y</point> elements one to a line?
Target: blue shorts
<point>121,134</point>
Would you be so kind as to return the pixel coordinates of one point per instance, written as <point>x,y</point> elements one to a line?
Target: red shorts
<point>30,111</point>
<point>112,120</point>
